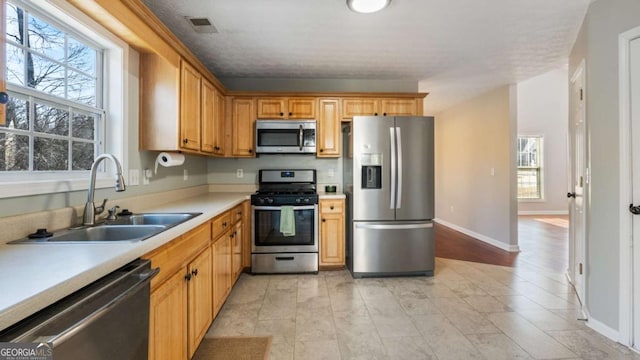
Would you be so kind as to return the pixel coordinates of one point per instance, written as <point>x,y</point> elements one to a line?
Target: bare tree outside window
<point>54,114</point>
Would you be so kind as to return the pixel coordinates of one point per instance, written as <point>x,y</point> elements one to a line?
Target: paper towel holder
<point>169,159</point>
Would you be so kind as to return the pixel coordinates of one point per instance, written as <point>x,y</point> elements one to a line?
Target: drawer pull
<point>285,258</point>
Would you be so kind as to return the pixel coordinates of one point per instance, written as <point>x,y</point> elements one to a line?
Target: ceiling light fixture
<point>367,6</point>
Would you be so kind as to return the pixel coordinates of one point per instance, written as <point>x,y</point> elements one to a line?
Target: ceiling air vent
<point>201,25</point>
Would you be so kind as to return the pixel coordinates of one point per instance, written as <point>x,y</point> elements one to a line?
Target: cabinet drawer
<point>221,224</point>
<point>177,253</point>
<point>331,206</point>
<point>237,213</point>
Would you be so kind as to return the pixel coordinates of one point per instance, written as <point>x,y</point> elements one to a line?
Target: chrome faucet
<point>90,209</point>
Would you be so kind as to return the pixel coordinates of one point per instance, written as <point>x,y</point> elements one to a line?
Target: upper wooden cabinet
<point>180,110</point>
<point>329,131</point>
<point>381,107</point>
<point>359,107</point>
<point>400,107</point>
<point>243,127</point>
<point>286,108</point>
<point>190,108</point>
<point>212,120</point>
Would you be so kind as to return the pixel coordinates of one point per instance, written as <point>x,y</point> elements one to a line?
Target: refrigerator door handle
<point>392,138</point>
<point>394,226</point>
<point>399,173</point>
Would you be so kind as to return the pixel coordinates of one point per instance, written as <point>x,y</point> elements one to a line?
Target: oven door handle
<point>306,207</point>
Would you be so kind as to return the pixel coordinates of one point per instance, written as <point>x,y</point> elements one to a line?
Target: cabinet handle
<point>232,235</point>
<point>250,151</point>
<point>376,114</point>
<point>321,150</point>
<point>194,272</point>
<point>324,220</point>
<point>290,114</point>
<point>331,207</point>
<point>184,141</point>
<point>281,114</point>
<point>384,114</point>
<point>188,277</point>
<point>224,224</point>
<point>240,213</point>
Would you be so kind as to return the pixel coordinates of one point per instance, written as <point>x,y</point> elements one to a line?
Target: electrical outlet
<point>331,173</point>
<point>493,171</point>
<point>451,208</point>
<point>239,173</point>
<point>185,174</point>
<point>134,177</point>
<point>147,175</point>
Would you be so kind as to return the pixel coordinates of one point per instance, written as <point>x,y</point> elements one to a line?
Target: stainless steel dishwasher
<point>108,319</point>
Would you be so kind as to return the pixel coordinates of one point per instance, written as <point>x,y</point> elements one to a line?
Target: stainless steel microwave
<point>285,136</point>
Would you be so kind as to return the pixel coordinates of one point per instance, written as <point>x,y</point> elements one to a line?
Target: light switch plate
<point>134,177</point>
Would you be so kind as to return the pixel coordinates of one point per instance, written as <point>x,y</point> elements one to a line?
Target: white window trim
<point>115,97</point>
<point>542,162</point>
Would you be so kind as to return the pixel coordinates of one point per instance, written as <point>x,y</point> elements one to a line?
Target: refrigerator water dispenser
<point>372,177</point>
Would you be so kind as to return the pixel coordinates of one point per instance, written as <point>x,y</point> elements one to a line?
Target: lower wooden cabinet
<point>196,277</point>
<point>236,242</point>
<point>200,307</point>
<point>221,270</point>
<point>168,320</point>
<point>332,232</point>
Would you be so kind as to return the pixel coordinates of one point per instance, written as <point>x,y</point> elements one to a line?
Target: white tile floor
<point>466,311</point>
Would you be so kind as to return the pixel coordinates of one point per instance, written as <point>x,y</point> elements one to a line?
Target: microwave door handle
<point>300,137</point>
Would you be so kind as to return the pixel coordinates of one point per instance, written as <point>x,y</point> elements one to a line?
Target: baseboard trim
<point>601,328</point>
<point>543,212</point>
<point>483,238</point>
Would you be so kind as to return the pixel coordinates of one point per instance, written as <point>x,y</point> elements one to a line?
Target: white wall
<point>475,167</point>
<point>597,43</point>
<point>543,110</point>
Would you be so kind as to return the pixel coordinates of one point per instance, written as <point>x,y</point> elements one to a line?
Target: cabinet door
<point>168,320</point>
<point>301,108</point>
<point>218,124</point>
<point>399,107</point>
<point>236,262</point>
<point>208,117</point>
<point>332,232</point>
<point>190,88</point>
<point>221,271</point>
<point>200,298</point>
<point>272,108</point>
<point>243,127</point>
<point>359,107</point>
<point>329,130</point>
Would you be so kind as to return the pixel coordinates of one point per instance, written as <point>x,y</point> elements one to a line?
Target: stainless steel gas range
<point>285,222</point>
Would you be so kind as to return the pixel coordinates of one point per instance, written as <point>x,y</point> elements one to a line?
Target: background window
<point>529,167</point>
<point>54,76</point>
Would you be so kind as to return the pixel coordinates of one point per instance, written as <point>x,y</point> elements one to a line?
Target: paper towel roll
<point>167,159</point>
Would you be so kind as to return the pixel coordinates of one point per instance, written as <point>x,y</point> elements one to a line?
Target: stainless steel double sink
<point>130,228</point>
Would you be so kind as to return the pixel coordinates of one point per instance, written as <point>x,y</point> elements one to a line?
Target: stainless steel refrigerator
<point>388,180</point>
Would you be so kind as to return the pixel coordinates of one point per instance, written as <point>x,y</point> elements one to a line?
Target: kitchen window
<point>60,115</point>
<point>530,167</point>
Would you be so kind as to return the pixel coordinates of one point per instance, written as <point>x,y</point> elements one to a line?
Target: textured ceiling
<point>454,48</point>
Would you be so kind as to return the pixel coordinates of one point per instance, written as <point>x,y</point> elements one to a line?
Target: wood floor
<point>543,240</point>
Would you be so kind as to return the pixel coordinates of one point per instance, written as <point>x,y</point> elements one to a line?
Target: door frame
<point>626,222</point>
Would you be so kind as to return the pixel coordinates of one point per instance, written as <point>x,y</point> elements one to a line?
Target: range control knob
<point>261,200</point>
<point>270,200</point>
<point>298,200</point>
<point>306,200</point>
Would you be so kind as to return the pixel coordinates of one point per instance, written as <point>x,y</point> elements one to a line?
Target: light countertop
<point>33,276</point>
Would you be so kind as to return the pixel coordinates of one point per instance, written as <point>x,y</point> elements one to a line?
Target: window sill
<point>28,188</point>
<point>532,200</point>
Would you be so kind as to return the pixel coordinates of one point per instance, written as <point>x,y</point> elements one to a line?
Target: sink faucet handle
<point>100,209</point>
<point>112,213</point>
